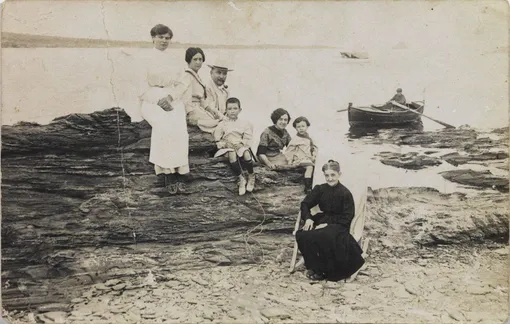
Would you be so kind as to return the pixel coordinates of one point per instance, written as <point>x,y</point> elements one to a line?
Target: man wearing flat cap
<point>216,88</point>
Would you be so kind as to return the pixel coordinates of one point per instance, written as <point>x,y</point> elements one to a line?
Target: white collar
<point>158,51</point>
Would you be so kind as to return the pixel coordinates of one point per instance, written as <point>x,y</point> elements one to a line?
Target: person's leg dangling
<point>235,164</point>
<point>248,165</point>
<point>308,179</point>
<point>171,183</point>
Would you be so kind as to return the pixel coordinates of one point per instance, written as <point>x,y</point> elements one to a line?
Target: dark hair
<point>192,51</point>
<point>301,119</point>
<point>233,100</point>
<point>275,115</point>
<point>331,165</point>
<point>161,29</point>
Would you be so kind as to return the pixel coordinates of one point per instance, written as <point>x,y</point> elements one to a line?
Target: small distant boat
<point>354,55</point>
<point>385,115</point>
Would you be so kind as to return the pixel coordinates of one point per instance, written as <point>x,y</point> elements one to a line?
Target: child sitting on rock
<point>233,137</point>
<point>301,150</point>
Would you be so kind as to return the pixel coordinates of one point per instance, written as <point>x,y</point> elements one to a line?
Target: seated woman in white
<point>161,108</point>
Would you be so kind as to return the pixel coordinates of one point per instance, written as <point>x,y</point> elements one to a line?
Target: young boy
<point>301,150</point>
<point>233,137</point>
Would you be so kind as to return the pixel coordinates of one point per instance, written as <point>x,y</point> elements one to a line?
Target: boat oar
<point>294,253</point>
<point>409,109</point>
<point>341,110</point>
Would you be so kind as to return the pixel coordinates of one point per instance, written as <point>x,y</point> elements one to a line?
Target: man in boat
<point>399,97</point>
<point>216,88</point>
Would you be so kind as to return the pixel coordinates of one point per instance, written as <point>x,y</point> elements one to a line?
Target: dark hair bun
<point>331,165</point>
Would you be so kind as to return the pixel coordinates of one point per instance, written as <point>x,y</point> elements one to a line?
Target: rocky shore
<point>86,237</point>
<point>480,153</point>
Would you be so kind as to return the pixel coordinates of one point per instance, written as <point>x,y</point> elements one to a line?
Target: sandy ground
<point>442,284</point>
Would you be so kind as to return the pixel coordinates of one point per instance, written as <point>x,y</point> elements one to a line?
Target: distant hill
<point>10,40</point>
<point>15,40</point>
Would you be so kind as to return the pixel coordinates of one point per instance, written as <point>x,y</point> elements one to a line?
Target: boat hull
<point>386,115</point>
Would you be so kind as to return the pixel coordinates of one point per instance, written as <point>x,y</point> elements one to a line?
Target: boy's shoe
<point>242,185</point>
<point>251,182</point>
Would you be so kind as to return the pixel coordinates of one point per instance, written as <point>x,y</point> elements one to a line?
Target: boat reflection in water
<point>360,131</point>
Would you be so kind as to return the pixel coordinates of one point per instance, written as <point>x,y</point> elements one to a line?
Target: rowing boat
<point>385,115</point>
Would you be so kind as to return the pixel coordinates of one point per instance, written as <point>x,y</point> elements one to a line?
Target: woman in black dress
<point>329,250</point>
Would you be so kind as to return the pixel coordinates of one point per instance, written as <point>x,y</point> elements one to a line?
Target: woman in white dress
<point>163,109</point>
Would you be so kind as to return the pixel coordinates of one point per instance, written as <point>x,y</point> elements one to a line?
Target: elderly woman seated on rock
<point>273,140</point>
<point>329,250</point>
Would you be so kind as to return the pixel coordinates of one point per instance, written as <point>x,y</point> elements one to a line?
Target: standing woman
<point>194,94</point>
<point>166,114</point>
<point>274,139</point>
<point>329,250</point>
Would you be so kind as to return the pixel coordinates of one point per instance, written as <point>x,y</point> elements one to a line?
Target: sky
<point>415,43</point>
<point>351,25</point>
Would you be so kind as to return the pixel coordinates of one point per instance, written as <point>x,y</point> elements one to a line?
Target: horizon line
<point>14,40</point>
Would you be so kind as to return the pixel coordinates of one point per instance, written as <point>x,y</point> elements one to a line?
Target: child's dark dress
<point>331,250</point>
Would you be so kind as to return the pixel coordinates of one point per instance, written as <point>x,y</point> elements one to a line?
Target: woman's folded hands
<point>166,103</point>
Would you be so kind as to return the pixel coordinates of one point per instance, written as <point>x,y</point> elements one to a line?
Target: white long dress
<point>169,137</point>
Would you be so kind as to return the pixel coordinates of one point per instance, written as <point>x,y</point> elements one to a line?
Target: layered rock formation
<point>427,217</point>
<point>412,161</point>
<point>80,207</point>
<point>84,182</point>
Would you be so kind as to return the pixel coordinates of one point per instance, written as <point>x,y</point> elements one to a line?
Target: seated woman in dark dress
<point>274,139</point>
<point>329,250</point>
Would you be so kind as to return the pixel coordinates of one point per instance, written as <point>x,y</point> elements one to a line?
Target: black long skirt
<point>330,250</point>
